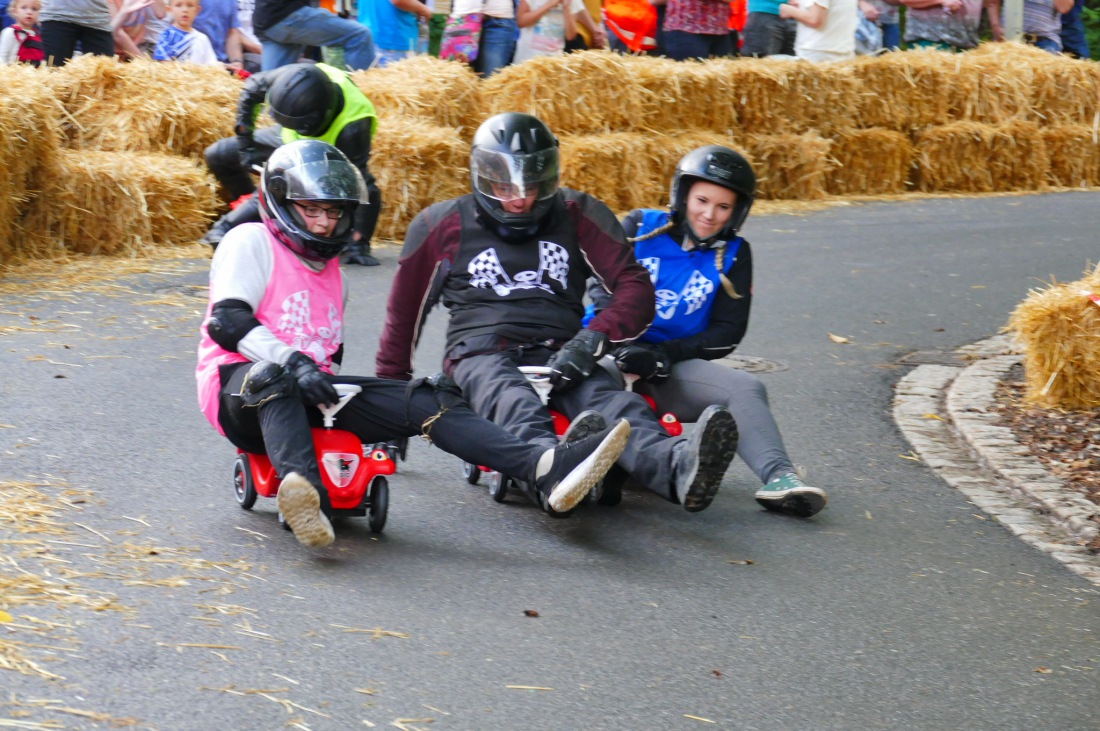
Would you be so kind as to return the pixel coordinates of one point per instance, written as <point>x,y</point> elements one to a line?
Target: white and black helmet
<point>316,172</point>
<point>721,166</point>
<point>516,153</point>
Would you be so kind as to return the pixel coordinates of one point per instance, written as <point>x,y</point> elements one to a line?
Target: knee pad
<point>266,381</point>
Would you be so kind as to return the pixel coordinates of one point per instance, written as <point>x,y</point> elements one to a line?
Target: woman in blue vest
<point>702,271</point>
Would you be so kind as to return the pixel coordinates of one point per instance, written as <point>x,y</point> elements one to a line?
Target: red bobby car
<point>353,473</point>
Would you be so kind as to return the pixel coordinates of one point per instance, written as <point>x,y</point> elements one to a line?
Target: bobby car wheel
<point>498,487</point>
<point>379,504</point>
<point>471,472</point>
<point>243,488</point>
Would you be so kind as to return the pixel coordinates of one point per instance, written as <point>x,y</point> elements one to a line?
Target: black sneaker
<point>701,462</point>
<point>359,254</point>
<point>577,466</point>
<point>586,423</point>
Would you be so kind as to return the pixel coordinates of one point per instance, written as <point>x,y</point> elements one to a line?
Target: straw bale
<point>791,166</point>
<point>120,202</point>
<point>428,164</point>
<point>573,93</point>
<point>1066,91</point>
<point>994,86</point>
<point>628,170</point>
<point>870,162</point>
<point>970,157</point>
<point>1074,155</point>
<point>1059,328</point>
<point>791,96</point>
<point>145,105</point>
<point>445,93</point>
<point>29,144</point>
<point>907,90</point>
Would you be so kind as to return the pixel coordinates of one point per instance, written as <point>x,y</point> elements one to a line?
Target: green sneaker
<point>789,494</point>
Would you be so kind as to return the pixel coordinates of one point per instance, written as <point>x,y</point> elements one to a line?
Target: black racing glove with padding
<point>648,361</point>
<point>312,382</point>
<point>577,359</point>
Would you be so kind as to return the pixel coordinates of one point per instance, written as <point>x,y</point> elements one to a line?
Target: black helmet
<point>310,171</point>
<point>303,98</point>
<point>515,155</point>
<point>721,166</point>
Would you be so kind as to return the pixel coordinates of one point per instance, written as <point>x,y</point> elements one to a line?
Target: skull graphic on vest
<point>487,272</point>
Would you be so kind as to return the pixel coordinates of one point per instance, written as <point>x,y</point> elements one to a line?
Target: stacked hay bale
<point>29,141</point>
<point>124,202</point>
<point>144,106</point>
<point>427,110</point>
<point>1059,328</point>
<point>127,173</point>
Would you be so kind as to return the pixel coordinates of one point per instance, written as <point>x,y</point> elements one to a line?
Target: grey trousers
<point>495,388</point>
<point>696,384</point>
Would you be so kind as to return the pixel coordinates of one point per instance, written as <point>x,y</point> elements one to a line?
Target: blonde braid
<point>727,285</point>
<point>655,232</point>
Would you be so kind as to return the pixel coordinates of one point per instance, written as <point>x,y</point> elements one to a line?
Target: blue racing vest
<point>686,281</point>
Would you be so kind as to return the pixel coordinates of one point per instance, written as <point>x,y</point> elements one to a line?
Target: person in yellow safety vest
<point>308,101</point>
<point>634,23</point>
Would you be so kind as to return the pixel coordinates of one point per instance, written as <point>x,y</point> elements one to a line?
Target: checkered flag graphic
<point>653,264</point>
<point>295,312</point>
<point>486,271</point>
<point>695,292</point>
<point>554,260</point>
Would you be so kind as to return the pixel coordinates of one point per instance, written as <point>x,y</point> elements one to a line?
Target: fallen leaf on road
<point>1044,671</point>
<point>742,562</point>
<point>530,613</point>
<point>5,617</point>
<point>835,339</point>
<point>716,673</point>
<point>867,515</point>
<point>698,718</point>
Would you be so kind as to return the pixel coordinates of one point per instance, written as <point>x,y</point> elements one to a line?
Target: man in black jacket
<point>309,101</point>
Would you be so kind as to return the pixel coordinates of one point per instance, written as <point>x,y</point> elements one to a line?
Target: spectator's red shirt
<point>710,17</point>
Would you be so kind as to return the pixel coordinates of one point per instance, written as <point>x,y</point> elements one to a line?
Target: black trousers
<point>59,38</point>
<point>224,160</point>
<point>383,410</point>
<point>497,390</point>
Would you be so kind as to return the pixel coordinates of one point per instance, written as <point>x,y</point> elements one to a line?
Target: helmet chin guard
<point>310,171</point>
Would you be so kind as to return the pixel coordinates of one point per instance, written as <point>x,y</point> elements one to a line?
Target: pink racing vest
<point>303,308</point>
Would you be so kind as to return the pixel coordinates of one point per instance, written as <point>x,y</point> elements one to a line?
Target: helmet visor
<point>326,180</point>
<point>505,177</point>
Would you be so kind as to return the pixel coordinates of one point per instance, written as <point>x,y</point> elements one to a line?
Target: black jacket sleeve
<point>251,100</point>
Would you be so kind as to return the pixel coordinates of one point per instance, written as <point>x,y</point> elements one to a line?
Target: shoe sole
<point>586,423</point>
<point>804,502</point>
<point>717,445</point>
<point>300,505</point>
<point>577,483</point>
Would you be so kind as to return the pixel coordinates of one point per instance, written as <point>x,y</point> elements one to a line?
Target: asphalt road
<point>900,606</point>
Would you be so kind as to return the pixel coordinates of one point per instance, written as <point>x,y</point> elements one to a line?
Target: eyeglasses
<point>333,214</point>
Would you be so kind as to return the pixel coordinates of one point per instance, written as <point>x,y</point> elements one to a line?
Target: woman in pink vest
<point>272,343</point>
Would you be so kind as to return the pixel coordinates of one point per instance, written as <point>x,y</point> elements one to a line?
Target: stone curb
<point>945,412</point>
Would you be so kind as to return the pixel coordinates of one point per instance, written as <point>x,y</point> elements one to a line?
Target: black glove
<point>312,382</point>
<point>246,151</point>
<point>648,361</point>
<point>577,359</point>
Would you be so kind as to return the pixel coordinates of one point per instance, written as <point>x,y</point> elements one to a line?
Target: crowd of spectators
<point>246,36</point>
